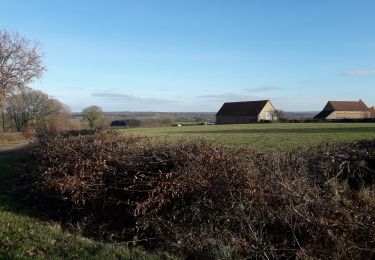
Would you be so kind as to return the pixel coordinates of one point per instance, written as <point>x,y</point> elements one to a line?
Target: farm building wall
<point>267,108</point>
<point>236,119</point>
<point>349,115</point>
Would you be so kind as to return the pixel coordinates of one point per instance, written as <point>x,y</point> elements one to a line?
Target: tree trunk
<point>3,117</point>
<point>11,125</point>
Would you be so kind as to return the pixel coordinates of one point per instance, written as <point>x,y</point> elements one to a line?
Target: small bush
<point>202,200</point>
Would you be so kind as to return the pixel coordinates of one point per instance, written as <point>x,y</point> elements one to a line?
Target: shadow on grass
<point>5,256</point>
<point>26,233</point>
<point>11,168</point>
<point>13,192</point>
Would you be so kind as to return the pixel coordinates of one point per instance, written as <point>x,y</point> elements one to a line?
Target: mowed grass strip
<point>281,136</point>
<point>23,236</point>
<point>11,139</point>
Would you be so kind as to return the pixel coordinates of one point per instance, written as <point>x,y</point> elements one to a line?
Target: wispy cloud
<point>358,73</point>
<point>230,96</point>
<point>130,98</point>
<point>264,88</point>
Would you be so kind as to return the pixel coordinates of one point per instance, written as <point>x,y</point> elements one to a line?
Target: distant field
<point>267,136</point>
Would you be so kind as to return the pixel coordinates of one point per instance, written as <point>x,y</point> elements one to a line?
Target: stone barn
<point>246,112</point>
<point>345,110</point>
<point>372,112</point>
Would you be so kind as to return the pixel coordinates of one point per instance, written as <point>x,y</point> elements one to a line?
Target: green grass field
<point>23,235</point>
<point>267,136</point>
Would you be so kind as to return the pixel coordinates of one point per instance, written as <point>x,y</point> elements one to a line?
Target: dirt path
<point>4,150</point>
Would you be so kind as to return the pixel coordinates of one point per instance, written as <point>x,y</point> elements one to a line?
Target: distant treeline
<point>161,121</point>
<point>146,122</point>
<point>154,122</point>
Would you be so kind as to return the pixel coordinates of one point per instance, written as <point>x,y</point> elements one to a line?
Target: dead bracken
<point>198,199</point>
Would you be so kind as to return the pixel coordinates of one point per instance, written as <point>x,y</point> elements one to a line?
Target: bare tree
<point>20,64</point>
<point>33,108</point>
<point>93,115</point>
<point>280,115</point>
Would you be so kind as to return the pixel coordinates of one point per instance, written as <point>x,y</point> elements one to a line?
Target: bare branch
<point>20,63</point>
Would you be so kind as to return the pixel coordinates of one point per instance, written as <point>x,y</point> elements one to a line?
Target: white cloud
<point>130,98</point>
<point>230,96</point>
<point>358,73</point>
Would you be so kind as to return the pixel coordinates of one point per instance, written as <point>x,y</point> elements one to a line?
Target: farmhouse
<point>345,110</point>
<point>246,112</point>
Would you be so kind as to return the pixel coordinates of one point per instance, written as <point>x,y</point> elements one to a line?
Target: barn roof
<point>244,108</point>
<point>323,114</point>
<point>342,106</point>
<point>348,105</point>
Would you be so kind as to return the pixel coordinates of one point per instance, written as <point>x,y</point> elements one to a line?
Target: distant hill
<point>182,117</point>
<point>189,116</point>
<point>300,115</point>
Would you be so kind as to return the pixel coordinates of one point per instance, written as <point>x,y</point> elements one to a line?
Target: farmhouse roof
<point>348,105</point>
<point>244,108</point>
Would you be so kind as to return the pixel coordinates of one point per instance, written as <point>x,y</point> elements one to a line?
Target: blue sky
<point>193,55</point>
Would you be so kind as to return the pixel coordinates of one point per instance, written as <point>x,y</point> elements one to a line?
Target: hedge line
<point>200,200</point>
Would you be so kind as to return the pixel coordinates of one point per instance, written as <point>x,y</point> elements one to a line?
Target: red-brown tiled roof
<point>245,108</point>
<point>348,105</point>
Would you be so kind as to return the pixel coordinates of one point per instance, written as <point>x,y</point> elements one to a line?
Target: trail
<point>12,148</point>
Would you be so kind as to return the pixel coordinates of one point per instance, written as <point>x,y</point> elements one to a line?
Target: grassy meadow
<point>266,136</point>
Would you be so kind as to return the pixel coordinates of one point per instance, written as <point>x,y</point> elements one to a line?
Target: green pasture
<point>266,136</point>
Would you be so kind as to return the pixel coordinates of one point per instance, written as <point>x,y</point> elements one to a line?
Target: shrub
<point>203,200</point>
